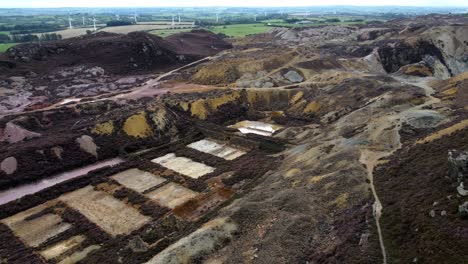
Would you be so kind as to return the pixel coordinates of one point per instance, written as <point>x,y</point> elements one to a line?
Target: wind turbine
<point>179,18</point>
<point>172,20</point>
<point>70,26</point>
<point>255,17</point>
<point>135,17</point>
<point>83,20</point>
<point>94,23</point>
<point>217,18</point>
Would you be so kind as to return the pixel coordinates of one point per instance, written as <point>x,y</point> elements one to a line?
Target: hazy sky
<point>157,3</point>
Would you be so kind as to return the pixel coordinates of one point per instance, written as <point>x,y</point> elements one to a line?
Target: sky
<point>246,3</point>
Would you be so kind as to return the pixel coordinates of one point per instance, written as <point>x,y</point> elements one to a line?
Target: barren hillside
<point>327,144</point>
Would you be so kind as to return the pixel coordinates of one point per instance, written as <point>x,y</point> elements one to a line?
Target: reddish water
<point>31,188</point>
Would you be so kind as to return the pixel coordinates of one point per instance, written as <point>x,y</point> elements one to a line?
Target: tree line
<point>30,28</point>
<point>116,23</point>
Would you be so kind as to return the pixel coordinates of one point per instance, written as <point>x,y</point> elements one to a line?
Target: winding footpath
<point>370,157</point>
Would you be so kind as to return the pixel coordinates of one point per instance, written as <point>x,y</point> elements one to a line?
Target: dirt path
<point>371,156</point>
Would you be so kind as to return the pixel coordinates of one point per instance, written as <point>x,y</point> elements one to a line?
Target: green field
<point>289,25</point>
<point>5,46</point>
<point>167,32</point>
<point>240,30</point>
<point>292,25</point>
<point>273,21</point>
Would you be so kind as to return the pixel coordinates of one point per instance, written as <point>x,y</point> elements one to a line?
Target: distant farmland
<point>70,33</point>
<point>167,32</point>
<point>234,31</point>
<point>5,46</point>
<point>147,27</point>
<point>241,30</point>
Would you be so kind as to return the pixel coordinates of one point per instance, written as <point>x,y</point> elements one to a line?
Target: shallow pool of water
<point>31,188</point>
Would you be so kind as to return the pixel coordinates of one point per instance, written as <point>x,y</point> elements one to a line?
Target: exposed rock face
<point>316,36</point>
<point>9,165</point>
<point>210,236</point>
<point>420,69</point>
<point>458,165</point>
<point>461,190</point>
<point>258,81</point>
<point>395,55</point>
<point>14,133</point>
<point>452,41</point>
<point>87,144</point>
<point>438,68</point>
<point>463,210</point>
<point>447,46</point>
<point>293,76</point>
<point>57,151</point>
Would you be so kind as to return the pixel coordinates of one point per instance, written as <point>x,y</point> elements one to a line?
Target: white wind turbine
<point>83,20</point>
<point>217,17</point>
<point>70,26</point>
<point>172,20</point>
<point>179,18</point>
<point>135,17</point>
<point>94,23</point>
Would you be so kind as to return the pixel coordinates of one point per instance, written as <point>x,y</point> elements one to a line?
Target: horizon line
<point>214,6</point>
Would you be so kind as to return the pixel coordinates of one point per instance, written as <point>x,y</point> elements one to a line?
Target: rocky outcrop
<point>87,144</point>
<point>444,48</point>
<point>14,133</point>
<point>458,170</point>
<point>293,76</point>
<point>458,165</point>
<point>9,165</point>
<point>452,41</point>
<point>395,55</point>
<point>419,69</point>
<point>373,33</point>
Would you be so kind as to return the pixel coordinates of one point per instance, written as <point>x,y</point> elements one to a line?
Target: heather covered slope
<point>116,53</point>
